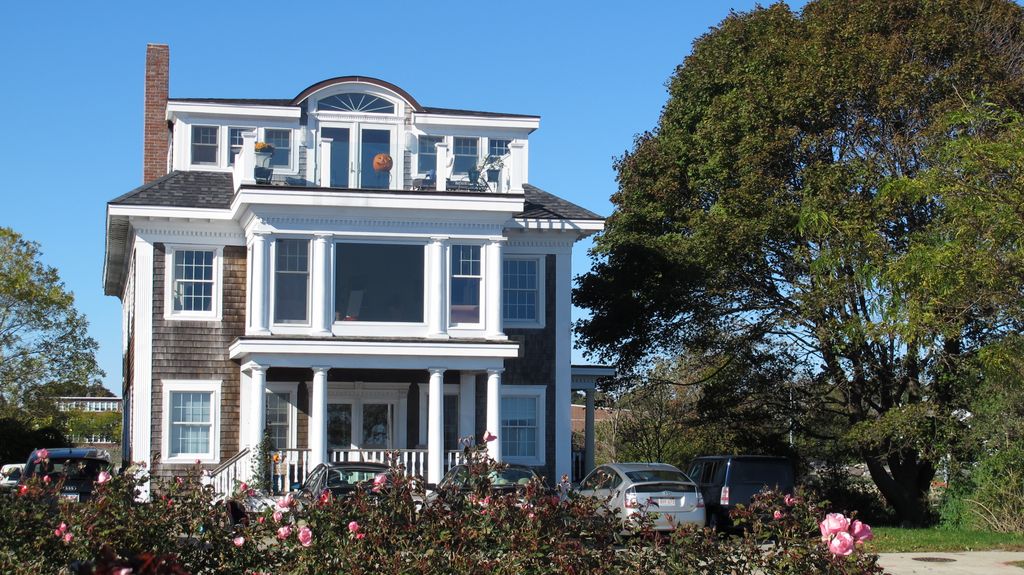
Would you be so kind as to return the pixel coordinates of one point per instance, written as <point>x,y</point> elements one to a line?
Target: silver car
<point>659,489</point>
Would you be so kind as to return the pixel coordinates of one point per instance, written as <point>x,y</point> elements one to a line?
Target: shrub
<point>381,528</point>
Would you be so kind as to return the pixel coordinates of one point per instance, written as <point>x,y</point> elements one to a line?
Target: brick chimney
<point>156,136</point>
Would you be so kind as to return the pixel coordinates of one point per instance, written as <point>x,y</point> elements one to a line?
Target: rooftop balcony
<point>497,175</point>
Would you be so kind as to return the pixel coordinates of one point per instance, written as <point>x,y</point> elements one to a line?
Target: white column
<point>318,417</point>
<point>563,364</point>
<point>441,167</point>
<point>258,279</point>
<point>492,291</point>
<point>257,404</point>
<point>437,323</point>
<point>325,162</point>
<point>588,434</point>
<point>320,280</point>
<point>517,167</point>
<point>467,404</point>
<point>494,412</point>
<point>435,426</point>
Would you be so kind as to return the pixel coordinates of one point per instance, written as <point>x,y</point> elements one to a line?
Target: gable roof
<point>215,190</point>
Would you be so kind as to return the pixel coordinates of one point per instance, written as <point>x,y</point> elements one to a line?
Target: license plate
<point>666,501</point>
<point>69,496</point>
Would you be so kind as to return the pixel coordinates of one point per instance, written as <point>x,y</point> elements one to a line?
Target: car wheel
<point>715,521</point>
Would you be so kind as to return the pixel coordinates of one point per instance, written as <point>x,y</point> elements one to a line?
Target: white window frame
<point>419,151</point>
<point>218,145</point>
<point>476,162</point>
<point>199,386</point>
<point>228,145</point>
<point>539,393</point>
<point>291,389</point>
<point>537,322</point>
<point>309,284</point>
<point>482,277</point>
<point>290,168</point>
<point>215,312</point>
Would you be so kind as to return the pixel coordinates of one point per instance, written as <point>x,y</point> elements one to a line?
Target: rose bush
<point>383,529</point>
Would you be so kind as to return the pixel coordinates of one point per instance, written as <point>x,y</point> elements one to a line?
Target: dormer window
<point>204,145</point>
<point>356,102</point>
<point>466,154</point>
<point>282,142</point>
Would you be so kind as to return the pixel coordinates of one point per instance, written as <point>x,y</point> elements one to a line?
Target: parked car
<point>508,478</point>
<point>730,480</point>
<point>10,474</point>
<point>78,469</point>
<point>340,478</point>
<point>660,489</point>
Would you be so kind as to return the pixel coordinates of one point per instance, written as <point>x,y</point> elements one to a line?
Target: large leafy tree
<point>45,348</point>
<point>770,209</point>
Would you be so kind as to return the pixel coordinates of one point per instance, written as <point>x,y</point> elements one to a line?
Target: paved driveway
<point>967,563</point>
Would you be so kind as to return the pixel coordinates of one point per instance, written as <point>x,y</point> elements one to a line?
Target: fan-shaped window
<point>356,102</point>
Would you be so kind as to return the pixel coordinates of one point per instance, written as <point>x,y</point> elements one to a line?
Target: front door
<point>361,425</point>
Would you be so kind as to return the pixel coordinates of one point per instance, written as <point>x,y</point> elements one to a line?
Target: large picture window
<point>465,284</point>
<point>378,282</point>
<point>291,281</point>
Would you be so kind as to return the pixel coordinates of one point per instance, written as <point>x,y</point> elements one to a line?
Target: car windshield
<point>511,476</point>
<point>349,477</point>
<point>656,475</point>
<point>71,468</point>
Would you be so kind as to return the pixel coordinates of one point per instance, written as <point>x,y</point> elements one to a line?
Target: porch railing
<point>223,477</point>
<point>288,467</point>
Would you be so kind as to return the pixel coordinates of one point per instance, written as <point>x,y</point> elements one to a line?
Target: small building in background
<point>94,422</point>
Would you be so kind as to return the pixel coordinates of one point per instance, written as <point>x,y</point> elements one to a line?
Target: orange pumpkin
<point>382,163</point>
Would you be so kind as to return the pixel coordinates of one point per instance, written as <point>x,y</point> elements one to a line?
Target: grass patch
<point>895,540</point>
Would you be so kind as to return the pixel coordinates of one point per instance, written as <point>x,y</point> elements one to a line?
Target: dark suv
<point>77,468</point>
<point>730,480</point>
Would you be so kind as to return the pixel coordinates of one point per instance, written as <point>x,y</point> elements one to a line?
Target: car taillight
<point>631,500</point>
<point>725,496</point>
<point>700,501</point>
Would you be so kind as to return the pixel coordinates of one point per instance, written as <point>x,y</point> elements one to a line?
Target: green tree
<point>45,349</point>
<point>765,212</point>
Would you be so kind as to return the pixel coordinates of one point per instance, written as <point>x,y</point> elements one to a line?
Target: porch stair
<point>236,468</point>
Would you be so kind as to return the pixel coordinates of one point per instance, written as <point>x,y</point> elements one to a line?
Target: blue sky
<point>71,102</point>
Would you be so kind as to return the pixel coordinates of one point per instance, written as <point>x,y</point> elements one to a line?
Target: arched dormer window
<point>356,102</point>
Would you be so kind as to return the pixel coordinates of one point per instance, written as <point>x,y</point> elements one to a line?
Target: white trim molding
<point>169,386</point>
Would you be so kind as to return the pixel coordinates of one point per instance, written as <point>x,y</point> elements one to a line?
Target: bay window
<point>465,284</point>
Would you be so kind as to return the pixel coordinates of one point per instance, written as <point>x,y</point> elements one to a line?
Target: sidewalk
<point>963,563</point>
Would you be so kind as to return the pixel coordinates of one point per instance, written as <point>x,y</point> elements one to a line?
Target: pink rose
<point>103,477</point>
<point>284,503</point>
<point>42,455</point>
<point>68,537</point>
<point>489,437</point>
<point>777,515</point>
<point>22,490</point>
<point>833,523</point>
<point>284,532</point>
<point>861,531</point>
<point>238,541</point>
<point>841,544</point>
<point>379,482</point>
<point>46,479</point>
<point>353,526</point>
<point>259,519</point>
<point>278,516</point>
<point>790,501</point>
<point>360,535</point>
<point>58,533</point>
<point>179,480</point>
<point>306,536</point>
<point>243,487</point>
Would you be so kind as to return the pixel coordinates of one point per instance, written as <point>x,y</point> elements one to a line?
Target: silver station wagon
<point>659,489</point>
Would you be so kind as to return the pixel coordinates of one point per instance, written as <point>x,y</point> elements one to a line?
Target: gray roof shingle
<point>215,190</point>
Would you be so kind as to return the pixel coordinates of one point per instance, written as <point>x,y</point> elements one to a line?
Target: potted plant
<point>262,171</point>
<point>490,168</point>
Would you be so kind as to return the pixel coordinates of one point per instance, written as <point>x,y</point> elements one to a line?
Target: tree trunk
<point>904,485</point>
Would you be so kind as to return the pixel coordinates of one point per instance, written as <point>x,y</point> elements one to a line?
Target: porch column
<point>318,417</point>
<point>435,426</point>
<point>588,434</point>
<point>494,412</point>
<point>492,290</point>
<point>258,297</point>
<point>321,296</point>
<point>257,405</point>
<point>467,404</point>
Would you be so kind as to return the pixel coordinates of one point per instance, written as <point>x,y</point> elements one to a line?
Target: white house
<point>386,279</point>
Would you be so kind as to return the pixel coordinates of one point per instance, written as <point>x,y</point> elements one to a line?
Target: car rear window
<point>761,472</point>
<point>71,468</point>
<point>343,477</point>
<point>511,476</point>
<point>657,475</point>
